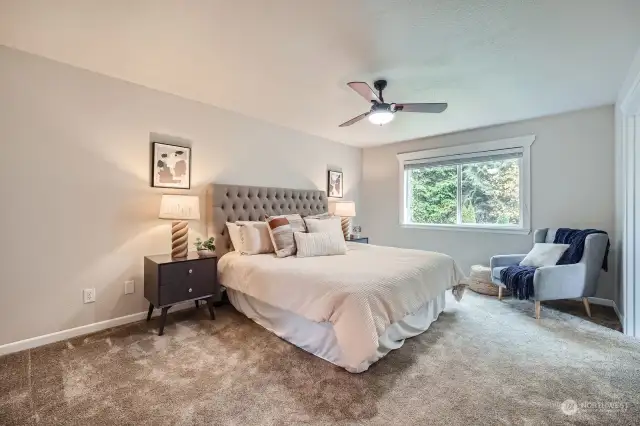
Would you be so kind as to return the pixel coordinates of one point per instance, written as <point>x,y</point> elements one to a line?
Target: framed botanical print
<point>335,184</point>
<point>170,166</point>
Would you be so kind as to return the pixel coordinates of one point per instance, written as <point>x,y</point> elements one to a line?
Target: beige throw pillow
<point>319,244</point>
<point>255,238</point>
<point>234,236</point>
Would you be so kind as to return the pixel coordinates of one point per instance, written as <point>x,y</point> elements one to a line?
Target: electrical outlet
<point>89,295</point>
<point>129,287</point>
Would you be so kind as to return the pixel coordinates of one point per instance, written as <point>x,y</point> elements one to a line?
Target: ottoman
<point>480,281</point>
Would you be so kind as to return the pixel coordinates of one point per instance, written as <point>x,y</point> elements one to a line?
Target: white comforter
<point>360,293</point>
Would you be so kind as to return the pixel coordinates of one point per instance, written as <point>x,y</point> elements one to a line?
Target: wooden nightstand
<point>363,240</point>
<point>169,281</point>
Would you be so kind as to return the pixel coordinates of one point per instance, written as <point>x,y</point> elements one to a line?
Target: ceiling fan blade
<point>422,107</point>
<point>364,90</point>
<point>355,119</point>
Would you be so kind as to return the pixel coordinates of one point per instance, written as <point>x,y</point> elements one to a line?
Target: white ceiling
<point>287,61</point>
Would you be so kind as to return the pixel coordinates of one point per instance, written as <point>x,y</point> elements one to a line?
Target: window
<point>474,187</point>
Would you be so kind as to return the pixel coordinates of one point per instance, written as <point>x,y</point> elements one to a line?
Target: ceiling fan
<point>382,112</point>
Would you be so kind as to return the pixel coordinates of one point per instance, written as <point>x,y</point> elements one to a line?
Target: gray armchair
<point>579,280</point>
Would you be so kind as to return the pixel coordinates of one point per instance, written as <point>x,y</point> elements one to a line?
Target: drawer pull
<point>190,270</point>
<point>190,290</point>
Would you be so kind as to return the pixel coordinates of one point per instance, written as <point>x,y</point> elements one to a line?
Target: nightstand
<point>363,240</point>
<point>170,281</point>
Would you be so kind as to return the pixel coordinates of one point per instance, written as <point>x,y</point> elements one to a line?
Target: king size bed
<point>351,309</point>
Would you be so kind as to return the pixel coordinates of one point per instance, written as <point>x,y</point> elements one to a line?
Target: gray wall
<point>572,174</point>
<point>77,209</point>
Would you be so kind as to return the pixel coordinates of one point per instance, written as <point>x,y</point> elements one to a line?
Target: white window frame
<point>523,142</point>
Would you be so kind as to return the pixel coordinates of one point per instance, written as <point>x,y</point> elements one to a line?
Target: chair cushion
<point>496,271</point>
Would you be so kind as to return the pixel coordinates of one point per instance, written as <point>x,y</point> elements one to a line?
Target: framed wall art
<point>170,166</point>
<point>335,184</point>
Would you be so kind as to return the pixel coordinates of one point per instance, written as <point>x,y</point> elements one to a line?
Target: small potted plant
<point>205,248</point>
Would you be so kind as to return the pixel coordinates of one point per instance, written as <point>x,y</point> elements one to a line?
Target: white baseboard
<point>58,336</point>
<point>607,302</point>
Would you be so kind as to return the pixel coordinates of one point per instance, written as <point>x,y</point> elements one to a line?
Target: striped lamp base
<point>179,239</point>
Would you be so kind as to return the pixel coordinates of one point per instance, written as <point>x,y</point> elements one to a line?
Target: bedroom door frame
<point>627,123</point>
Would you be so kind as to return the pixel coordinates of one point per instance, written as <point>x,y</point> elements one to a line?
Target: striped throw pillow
<point>281,233</point>
<point>296,222</point>
<point>319,244</point>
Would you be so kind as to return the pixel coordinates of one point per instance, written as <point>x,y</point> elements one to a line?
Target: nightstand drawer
<point>175,292</point>
<point>183,272</point>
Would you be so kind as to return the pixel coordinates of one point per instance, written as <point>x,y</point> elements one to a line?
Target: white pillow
<point>234,235</point>
<point>319,244</point>
<point>544,254</point>
<point>255,238</point>
<point>332,224</point>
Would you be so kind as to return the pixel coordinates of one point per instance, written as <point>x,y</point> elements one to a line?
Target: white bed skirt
<point>319,338</point>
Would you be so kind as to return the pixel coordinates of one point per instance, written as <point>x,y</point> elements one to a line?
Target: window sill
<point>467,228</point>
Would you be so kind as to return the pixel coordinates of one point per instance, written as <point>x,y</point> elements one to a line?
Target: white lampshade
<point>343,208</point>
<point>179,207</point>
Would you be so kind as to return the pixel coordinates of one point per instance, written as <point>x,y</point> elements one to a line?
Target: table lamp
<point>179,208</point>
<point>346,210</point>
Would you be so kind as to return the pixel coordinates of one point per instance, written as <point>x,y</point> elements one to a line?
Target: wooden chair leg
<point>500,292</point>
<point>537,309</point>
<point>587,307</point>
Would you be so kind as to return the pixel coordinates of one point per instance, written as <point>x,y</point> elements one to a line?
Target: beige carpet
<point>483,362</point>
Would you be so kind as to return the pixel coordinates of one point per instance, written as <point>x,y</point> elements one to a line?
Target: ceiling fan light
<point>380,117</point>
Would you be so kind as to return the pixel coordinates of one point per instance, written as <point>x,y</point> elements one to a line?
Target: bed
<point>350,310</point>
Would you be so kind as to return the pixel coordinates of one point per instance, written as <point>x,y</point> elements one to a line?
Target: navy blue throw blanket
<point>576,239</point>
<point>519,279</point>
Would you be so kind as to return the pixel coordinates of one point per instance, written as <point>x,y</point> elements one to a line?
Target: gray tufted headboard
<point>228,203</point>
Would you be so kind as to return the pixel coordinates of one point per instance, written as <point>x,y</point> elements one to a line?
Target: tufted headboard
<point>228,203</point>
